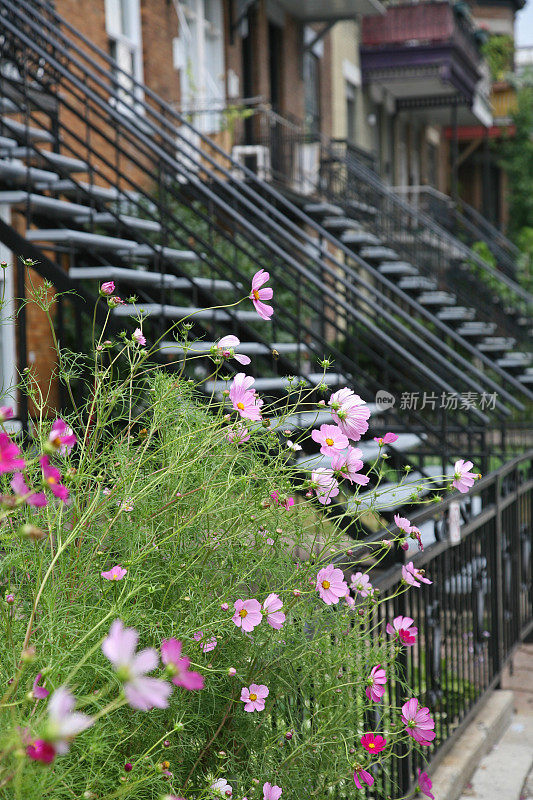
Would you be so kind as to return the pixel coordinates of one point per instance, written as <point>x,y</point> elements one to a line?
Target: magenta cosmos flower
<point>361,774</point>
<point>116,573</point>
<point>247,614</point>
<point>226,348</point>
<point>142,693</point>
<point>389,438</point>
<point>403,628</point>
<point>286,502</point>
<point>18,484</point>
<point>348,464</point>
<point>418,722</point>
<point>39,692</point>
<point>61,437</point>
<point>376,683</point>
<point>425,785</point>
<point>5,413</point>
<point>138,337</point>
<point>238,434</point>
<point>330,585</point>
<point>373,743</point>
<point>324,483</point>
<point>52,478</point>
<point>63,722</point>
<point>107,288</point>
<point>350,413</point>
<point>254,697</point>
<point>10,460</point>
<point>177,666</point>
<point>271,792</point>
<point>274,615</point>
<point>361,583</point>
<point>257,295</point>
<point>413,576</point>
<point>42,751</point>
<point>330,438</point>
<point>463,477</point>
<point>244,399</point>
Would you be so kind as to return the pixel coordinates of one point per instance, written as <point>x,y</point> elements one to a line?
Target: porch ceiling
<point>331,10</point>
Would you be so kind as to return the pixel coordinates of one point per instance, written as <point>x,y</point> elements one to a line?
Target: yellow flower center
<point>371,745</point>
<point>243,613</point>
<point>240,406</point>
<point>329,442</point>
<point>51,481</point>
<point>256,294</point>
<point>326,584</point>
<point>253,697</point>
<point>56,442</point>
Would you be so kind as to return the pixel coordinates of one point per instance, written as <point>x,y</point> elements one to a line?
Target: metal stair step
<point>6,143</point>
<point>148,278</point>
<point>276,382</point>
<point>67,186</point>
<point>179,312</point>
<point>23,132</point>
<point>107,218</point>
<point>417,283</point>
<point>340,224</point>
<point>496,344</point>
<point>146,252</point>
<point>456,314</point>
<point>363,208</point>
<point>307,419</point>
<point>49,158</point>
<point>516,360</point>
<point>42,203</point>
<point>392,496</point>
<point>360,239</point>
<point>526,377</point>
<point>7,106</point>
<point>379,254</point>
<point>18,172</point>
<point>81,238</point>
<point>437,299</point>
<point>323,210</point>
<point>476,328</point>
<point>394,268</point>
<point>370,450</point>
<point>247,348</point>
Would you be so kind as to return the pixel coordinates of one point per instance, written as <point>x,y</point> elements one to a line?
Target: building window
<point>311,78</point>
<point>201,61</point>
<point>351,110</point>
<point>123,25</point>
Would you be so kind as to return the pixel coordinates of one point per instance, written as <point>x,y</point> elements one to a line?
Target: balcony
<point>425,56</point>
<point>330,10</point>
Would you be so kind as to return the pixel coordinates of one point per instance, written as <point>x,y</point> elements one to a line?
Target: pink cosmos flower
<point>361,583</point>
<point>361,774</point>
<point>389,438</point>
<point>206,647</point>
<point>39,692</point>
<point>330,438</point>
<point>116,573</point>
<point>373,743</point>
<point>138,337</point>
<point>107,288</point>
<point>63,722</point>
<point>18,484</point>
<point>348,464</point>
<point>254,697</point>
<point>226,348</point>
<point>325,485</point>
<point>257,295</point>
<point>52,477</point>
<point>287,502</point>
<point>42,751</point>
<point>62,437</point>
<point>247,614</point>
<point>463,478</point>
<point>403,628</point>
<point>142,693</point>
<point>418,722</point>
<point>412,575</point>
<point>222,788</point>
<point>238,434</point>
<point>350,413</point>
<point>403,523</point>
<point>271,792</point>
<point>274,615</point>
<point>330,585</point>
<point>178,666</point>
<point>424,784</point>
<point>376,683</point>
<point>5,413</point>
<point>9,455</point>
<point>244,399</point>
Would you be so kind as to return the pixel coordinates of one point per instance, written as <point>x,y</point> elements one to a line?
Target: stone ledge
<point>458,766</point>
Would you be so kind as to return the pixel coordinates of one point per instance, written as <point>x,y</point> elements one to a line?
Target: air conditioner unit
<point>255,157</point>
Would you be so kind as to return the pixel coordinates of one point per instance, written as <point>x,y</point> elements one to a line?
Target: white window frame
<point>128,49</point>
<point>8,364</point>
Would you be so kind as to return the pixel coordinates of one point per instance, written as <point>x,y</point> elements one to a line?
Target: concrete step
<point>69,237</point>
<point>42,204</point>
<point>146,277</point>
<point>22,132</point>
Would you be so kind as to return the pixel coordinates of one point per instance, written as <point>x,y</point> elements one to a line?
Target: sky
<point>524,25</point>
